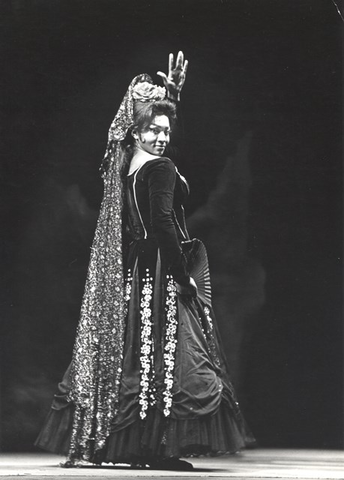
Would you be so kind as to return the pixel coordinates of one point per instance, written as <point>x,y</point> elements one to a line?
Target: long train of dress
<point>176,398</point>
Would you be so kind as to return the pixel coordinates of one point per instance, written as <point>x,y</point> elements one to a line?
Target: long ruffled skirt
<point>176,398</point>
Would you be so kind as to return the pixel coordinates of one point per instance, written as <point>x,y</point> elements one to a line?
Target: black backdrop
<point>261,148</point>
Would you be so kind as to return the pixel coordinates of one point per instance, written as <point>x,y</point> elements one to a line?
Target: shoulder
<point>159,164</point>
<point>160,174</point>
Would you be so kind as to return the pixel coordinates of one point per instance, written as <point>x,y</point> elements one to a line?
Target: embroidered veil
<point>98,348</point>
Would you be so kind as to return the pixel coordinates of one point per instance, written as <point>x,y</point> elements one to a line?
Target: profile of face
<point>155,137</point>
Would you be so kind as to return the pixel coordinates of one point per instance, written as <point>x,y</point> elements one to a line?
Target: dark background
<point>261,146</point>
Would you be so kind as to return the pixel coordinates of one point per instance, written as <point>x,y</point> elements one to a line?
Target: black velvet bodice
<point>155,195</point>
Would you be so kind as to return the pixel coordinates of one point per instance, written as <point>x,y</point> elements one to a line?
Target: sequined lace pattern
<point>98,349</point>
<point>97,356</point>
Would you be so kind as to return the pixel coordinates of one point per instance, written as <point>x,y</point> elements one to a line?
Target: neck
<point>142,154</point>
<point>139,152</point>
<point>139,158</point>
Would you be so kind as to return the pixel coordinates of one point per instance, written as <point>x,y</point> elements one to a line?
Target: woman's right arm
<point>161,182</point>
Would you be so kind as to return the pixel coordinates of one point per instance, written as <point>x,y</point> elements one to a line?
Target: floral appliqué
<point>210,337</point>
<point>170,343</point>
<point>128,283</point>
<point>146,342</point>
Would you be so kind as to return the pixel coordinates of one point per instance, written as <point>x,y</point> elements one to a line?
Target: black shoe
<point>171,464</point>
<point>70,463</point>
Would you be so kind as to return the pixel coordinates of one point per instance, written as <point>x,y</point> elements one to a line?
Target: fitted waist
<point>138,234</point>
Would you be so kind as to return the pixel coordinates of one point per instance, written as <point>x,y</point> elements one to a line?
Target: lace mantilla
<point>98,350</point>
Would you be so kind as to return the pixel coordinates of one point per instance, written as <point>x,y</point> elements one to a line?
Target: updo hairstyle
<point>145,112</point>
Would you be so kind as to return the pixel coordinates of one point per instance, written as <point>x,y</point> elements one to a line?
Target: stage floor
<point>249,465</point>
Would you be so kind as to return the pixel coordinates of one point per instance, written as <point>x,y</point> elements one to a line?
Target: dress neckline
<point>142,164</point>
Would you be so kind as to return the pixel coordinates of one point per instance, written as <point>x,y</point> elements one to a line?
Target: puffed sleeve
<point>161,182</point>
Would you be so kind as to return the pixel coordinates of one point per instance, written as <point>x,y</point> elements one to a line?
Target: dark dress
<point>175,396</point>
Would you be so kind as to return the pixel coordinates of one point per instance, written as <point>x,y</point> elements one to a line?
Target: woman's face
<point>155,137</point>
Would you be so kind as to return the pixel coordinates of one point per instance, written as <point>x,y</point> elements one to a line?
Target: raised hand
<point>175,79</point>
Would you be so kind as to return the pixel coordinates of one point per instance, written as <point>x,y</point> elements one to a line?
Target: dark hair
<point>145,112</point>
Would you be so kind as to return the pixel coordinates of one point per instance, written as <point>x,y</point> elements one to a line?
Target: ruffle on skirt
<point>215,434</point>
<point>57,430</point>
<point>156,437</point>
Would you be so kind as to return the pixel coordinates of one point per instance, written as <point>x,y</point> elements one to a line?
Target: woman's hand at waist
<point>190,289</point>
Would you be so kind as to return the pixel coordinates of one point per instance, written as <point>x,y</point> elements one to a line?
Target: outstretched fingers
<point>180,60</point>
<point>185,67</point>
<point>163,76</point>
<point>170,64</point>
<point>175,78</point>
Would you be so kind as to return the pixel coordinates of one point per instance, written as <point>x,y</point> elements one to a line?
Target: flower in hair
<point>147,92</point>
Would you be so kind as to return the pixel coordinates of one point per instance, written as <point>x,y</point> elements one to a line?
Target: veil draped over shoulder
<point>98,348</point>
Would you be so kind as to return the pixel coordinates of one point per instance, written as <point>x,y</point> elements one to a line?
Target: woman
<point>148,382</point>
